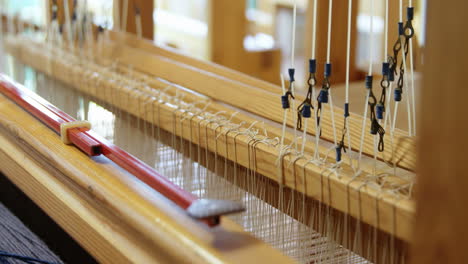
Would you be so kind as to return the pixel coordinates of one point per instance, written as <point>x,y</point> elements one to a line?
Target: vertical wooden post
<point>228,29</point>
<point>441,230</point>
<point>146,8</point>
<point>338,38</point>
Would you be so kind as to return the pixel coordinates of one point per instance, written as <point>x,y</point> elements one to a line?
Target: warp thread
<point>19,245</point>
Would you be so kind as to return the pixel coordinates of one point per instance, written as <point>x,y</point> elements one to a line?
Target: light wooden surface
<point>395,217</point>
<point>110,213</point>
<point>441,233</point>
<point>132,41</point>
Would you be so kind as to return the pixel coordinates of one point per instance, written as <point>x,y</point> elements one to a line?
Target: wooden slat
<point>394,217</point>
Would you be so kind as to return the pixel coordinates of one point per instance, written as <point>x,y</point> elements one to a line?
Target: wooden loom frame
<point>456,80</point>
<point>394,217</point>
<point>391,216</point>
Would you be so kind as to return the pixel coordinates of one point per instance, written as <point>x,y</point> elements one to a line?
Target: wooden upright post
<point>146,9</point>
<point>441,230</point>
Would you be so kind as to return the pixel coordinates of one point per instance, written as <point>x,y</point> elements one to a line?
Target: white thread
<point>348,49</point>
<point>371,35</point>
<point>330,6</point>
<point>304,135</point>
<point>364,120</point>
<point>285,114</point>
<point>408,104</point>
<point>348,52</point>
<point>413,109</point>
<point>395,113</point>
<point>294,115</point>
<point>293,40</point>
<point>332,115</point>
<point>369,73</point>
<point>386,32</point>
<point>314,35</point>
<point>293,110</point>
<point>401,10</point>
<point>314,29</point>
<point>405,83</point>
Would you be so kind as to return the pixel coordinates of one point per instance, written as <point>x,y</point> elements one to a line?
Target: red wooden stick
<point>93,144</point>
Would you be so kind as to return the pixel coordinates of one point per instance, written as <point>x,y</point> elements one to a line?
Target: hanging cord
<point>292,70</point>
<point>341,145</point>
<point>377,110</point>
<point>405,32</point>
<point>288,94</point>
<point>385,82</point>
<point>286,103</point>
<point>322,97</point>
<point>304,109</point>
<point>376,128</point>
<point>368,84</point>
<point>325,94</point>
<point>409,25</point>
<point>408,32</point>
<point>312,68</point>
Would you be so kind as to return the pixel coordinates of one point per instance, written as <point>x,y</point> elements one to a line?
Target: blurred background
<point>254,36</point>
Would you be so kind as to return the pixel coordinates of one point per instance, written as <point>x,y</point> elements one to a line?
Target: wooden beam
<point>218,69</point>
<point>405,154</point>
<point>441,233</point>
